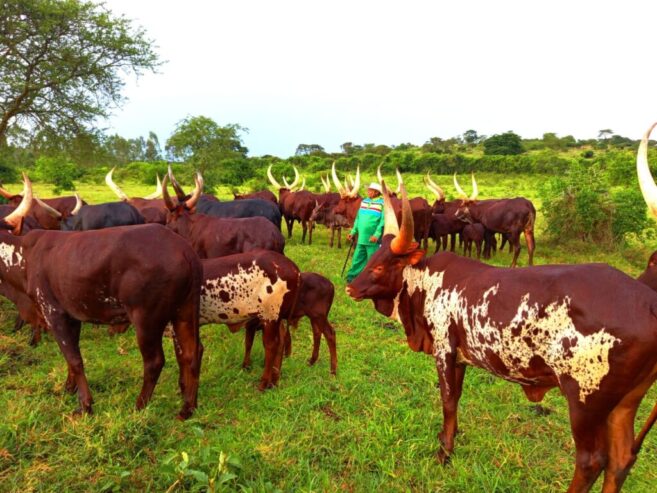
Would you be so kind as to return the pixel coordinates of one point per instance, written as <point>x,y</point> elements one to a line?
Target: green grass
<point>373,427</point>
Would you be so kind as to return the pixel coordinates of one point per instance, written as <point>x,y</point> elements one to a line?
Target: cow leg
<point>590,435</point>
<point>36,335</point>
<point>289,223</point>
<point>531,244</point>
<point>332,237</point>
<point>149,339</point>
<point>478,246</point>
<point>189,354</point>
<point>249,335</point>
<point>623,448</point>
<point>271,340</point>
<point>340,237</point>
<point>329,334</point>
<point>304,227</point>
<point>514,239</point>
<point>452,242</point>
<point>66,332</point>
<point>18,323</point>
<point>451,387</point>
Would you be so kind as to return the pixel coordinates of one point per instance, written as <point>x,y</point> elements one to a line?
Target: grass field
<point>373,427</point>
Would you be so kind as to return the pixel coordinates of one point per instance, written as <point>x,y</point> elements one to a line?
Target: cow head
<point>382,278</point>
<point>178,211</point>
<point>288,187</point>
<point>463,211</point>
<point>349,198</point>
<point>319,212</point>
<point>13,222</point>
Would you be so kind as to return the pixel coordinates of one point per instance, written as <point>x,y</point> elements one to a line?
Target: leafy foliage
<point>504,144</point>
<point>63,62</point>
<point>58,171</point>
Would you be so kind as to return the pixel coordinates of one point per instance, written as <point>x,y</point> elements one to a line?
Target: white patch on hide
<point>238,297</point>
<point>586,360</point>
<point>11,256</point>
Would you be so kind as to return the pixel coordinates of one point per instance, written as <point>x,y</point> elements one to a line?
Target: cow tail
<point>295,300</point>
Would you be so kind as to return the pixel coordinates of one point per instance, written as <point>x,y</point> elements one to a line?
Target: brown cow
<point>315,300</point>
<point>295,204</point>
<point>50,212</point>
<point>473,233</point>
<point>212,236</point>
<point>511,217</point>
<point>649,276</point>
<point>261,194</point>
<point>144,274</point>
<point>589,330</point>
<point>324,213</point>
<point>259,286</point>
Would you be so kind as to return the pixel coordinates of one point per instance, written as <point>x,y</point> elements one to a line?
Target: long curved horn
<point>390,225</point>
<point>53,212</point>
<point>271,178</point>
<point>646,181</point>
<point>297,178</point>
<point>404,240</point>
<point>6,193</point>
<point>400,180</point>
<point>158,189</point>
<point>115,188</point>
<point>303,185</point>
<point>196,194</point>
<point>325,183</point>
<point>378,174</point>
<point>356,187</point>
<point>336,182</point>
<point>475,189</point>
<point>287,185</point>
<point>459,190</point>
<point>15,217</point>
<point>78,205</point>
<point>165,194</point>
<point>180,193</point>
<point>433,186</point>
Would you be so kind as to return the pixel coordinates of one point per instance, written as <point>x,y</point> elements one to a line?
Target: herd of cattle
<point>184,261</point>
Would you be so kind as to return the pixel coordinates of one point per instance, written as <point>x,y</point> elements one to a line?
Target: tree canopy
<point>506,144</point>
<point>62,64</point>
<point>200,141</point>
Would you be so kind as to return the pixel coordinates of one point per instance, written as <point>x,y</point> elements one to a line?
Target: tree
<point>153,151</point>
<point>504,144</point>
<point>605,133</point>
<point>63,64</point>
<point>309,149</point>
<point>471,137</point>
<point>201,142</point>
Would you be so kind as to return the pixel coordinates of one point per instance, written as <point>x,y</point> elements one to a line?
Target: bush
<point>58,171</point>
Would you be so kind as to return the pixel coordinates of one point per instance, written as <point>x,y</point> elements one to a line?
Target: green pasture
<point>372,428</point>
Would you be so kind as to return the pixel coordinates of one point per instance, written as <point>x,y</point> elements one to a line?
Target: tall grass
<point>373,427</point>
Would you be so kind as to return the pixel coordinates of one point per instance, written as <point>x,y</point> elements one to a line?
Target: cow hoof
<point>246,366</point>
<point>70,387</point>
<point>540,410</point>
<point>184,414</point>
<point>264,385</point>
<point>81,411</point>
<point>312,361</point>
<point>443,458</point>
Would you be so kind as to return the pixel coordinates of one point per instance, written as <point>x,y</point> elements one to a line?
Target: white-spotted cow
<point>260,286</point>
<point>589,330</point>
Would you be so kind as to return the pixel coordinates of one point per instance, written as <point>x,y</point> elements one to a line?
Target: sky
<point>384,72</point>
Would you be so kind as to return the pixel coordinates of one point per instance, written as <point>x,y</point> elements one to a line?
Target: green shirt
<point>369,220</point>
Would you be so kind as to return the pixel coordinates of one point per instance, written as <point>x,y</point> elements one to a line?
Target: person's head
<point>374,190</point>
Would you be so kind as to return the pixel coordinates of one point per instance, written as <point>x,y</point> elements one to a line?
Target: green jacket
<point>369,220</point>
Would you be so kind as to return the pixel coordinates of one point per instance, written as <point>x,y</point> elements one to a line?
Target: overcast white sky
<point>320,72</point>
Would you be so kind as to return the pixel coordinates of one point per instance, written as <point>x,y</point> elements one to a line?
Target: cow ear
<point>415,256</point>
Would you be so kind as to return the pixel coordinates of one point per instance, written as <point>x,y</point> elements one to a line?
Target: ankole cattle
<point>212,236</point>
<point>42,211</point>
<point>588,329</point>
<point>511,217</point>
<point>259,286</point>
<point>261,194</point>
<point>315,300</point>
<point>146,275</point>
<point>295,204</point>
<point>101,216</point>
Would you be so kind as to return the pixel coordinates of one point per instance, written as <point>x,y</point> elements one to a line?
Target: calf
<point>473,233</point>
<point>315,300</point>
<point>324,213</point>
<point>146,275</point>
<point>260,286</point>
<point>588,329</point>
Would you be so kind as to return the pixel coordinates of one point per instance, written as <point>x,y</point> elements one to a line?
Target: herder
<point>369,227</point>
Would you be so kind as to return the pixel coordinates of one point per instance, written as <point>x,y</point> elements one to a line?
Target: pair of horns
<point>400,180</point>
<point>326,183</point>
<point>292,187</point>
<point>115,188</point>
<point>462,194</point>
<point>433,186</point>
<point>180,194</point>
<point>346,190</point>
